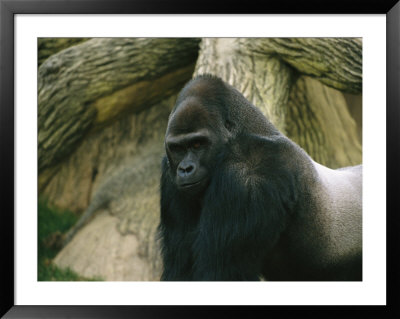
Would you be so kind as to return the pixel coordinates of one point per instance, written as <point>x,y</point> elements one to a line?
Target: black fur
<point>259,184</point>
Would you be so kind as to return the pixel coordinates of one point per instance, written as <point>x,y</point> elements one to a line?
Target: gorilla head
<point>207,115</point>
<point>193,139</point>
<point>239,200</point>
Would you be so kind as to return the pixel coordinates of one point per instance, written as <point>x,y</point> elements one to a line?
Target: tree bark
<point>335,62</point>
<point>320,122</point>
<point>49,46</point>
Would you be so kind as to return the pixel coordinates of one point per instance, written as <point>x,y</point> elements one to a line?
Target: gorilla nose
<point>186,170</point>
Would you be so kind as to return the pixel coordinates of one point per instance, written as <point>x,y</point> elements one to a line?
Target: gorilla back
<point>241,201</point>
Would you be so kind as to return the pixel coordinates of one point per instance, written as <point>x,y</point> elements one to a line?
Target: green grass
<point>51,222</point>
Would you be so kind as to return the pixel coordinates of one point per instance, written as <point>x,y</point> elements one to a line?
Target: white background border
<point>372,28</point>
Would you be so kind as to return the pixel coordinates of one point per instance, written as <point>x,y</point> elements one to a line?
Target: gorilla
<point>241,201</point>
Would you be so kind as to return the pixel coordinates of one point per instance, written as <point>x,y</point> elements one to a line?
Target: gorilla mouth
<point>189,185</point>
<point>192,186</point>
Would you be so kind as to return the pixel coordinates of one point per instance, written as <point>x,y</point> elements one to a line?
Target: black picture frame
<point>8,8</point>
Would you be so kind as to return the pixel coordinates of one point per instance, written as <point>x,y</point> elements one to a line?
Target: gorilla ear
<point>229,125</point>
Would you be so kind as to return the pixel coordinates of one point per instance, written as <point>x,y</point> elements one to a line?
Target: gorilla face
<point>187,154</point>
<point>192,145</point>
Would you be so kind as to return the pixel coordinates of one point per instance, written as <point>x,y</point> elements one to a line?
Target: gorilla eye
<point>228,125</point>
<point>198,143</point>
<point>175,148</point>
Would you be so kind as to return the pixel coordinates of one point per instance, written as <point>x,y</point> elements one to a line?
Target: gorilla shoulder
<point>339,196</point>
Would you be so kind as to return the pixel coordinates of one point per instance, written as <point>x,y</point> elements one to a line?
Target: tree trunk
<point>103,111</point>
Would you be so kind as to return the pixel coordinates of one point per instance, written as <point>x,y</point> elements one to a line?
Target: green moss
<point>50,223</point>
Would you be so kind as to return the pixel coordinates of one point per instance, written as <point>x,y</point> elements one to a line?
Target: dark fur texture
<point>259,214</point>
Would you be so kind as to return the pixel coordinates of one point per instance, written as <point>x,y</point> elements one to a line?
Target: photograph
<point>200,159</point>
